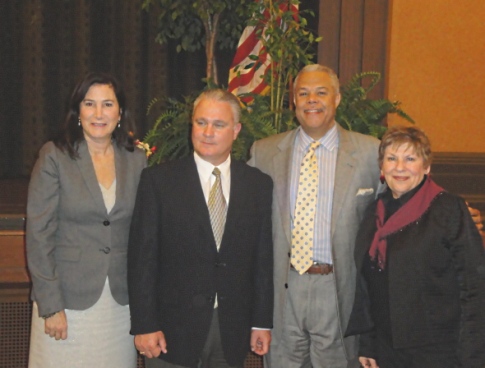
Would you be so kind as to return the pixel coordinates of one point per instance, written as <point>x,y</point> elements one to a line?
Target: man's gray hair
<point>222,95</point>
<point>319,68</point>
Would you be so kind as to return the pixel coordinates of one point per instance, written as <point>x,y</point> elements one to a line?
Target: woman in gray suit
<point>81,197</point>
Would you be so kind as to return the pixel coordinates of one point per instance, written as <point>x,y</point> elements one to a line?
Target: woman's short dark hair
<point>71,133</point>
<point>415,137</point>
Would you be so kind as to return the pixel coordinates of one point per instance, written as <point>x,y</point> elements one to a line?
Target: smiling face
<point>316,101</point>
<point>403,168</point>
<point>214,130</point>
<point>99,112</point>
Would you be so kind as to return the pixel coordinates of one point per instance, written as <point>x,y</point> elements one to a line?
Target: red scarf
<point>409,212</point>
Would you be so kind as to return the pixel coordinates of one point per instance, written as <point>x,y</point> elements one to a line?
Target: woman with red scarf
<point>420,298</point>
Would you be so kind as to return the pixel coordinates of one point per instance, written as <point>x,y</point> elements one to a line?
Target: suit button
<point>106,223</point>
<point>105,250</point>
<point>286,286</point>
<point>211,299</point>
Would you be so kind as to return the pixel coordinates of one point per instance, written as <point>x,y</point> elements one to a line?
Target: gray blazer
<point>73,244</point>
<point>356,185</point>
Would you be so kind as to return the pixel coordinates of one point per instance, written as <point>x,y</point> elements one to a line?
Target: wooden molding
<point>463,174</point>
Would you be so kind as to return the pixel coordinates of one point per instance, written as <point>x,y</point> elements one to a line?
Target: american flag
<point>251,62</point>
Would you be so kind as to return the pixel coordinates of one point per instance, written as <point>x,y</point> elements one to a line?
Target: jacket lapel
<point>193,196</point>
<point>345,169</point>
<point>86,167</point>
<point>282,171</point>
<point>236,201</point>
<point>123,182</point>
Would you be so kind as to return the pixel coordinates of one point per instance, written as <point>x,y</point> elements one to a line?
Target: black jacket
<point>436,282</point>
<point>175,270</point>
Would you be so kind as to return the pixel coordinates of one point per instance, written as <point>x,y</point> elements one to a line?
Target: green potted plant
<point>200,23</point>
<point>290,47</point>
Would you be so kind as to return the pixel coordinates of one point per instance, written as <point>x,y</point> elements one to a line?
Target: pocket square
<point>364,191</point>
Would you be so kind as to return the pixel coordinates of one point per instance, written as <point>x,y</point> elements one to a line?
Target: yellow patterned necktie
<point>304,216</point>
<point>217,208</point>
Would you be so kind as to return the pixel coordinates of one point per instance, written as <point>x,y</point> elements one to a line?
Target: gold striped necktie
<point>217,208</point>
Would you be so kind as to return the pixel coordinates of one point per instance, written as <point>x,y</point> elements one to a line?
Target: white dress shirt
<point>205,169</point>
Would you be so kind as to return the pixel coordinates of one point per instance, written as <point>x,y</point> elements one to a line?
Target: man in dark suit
<point>201,292</point>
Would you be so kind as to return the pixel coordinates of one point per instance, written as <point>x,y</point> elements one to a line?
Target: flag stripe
<point>247,43</point>
<point>249,76</point>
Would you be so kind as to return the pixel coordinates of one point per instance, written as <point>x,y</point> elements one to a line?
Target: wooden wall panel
<point>351,36</point>
<point>354,38</point>
<point>376,13</point>
<point>13,265</point>
<point>462,173</point>
<point>329,29</point>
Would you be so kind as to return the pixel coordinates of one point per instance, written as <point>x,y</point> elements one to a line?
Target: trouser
<point>212,355</point>
<point>311,333</point>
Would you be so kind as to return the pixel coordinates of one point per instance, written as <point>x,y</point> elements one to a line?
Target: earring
<point>79,121</point>
<point>382,179</point>
<point>119,123</point>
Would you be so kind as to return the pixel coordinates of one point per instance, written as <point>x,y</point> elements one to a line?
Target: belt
<point>319,269</point>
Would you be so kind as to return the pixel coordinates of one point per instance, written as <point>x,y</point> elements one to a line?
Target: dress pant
<point>212,355</point>
<point>311,334</point>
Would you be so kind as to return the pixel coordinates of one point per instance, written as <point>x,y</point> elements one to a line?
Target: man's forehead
<point>317,87</point>
<point>210,120</point>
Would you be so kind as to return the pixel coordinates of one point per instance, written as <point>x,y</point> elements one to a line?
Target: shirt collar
<point>329,140</point>
<point>205,168</point>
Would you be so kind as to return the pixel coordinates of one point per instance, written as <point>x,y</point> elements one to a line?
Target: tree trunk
<point>211,27</point>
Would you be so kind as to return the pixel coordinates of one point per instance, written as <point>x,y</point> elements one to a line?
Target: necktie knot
<point>310,155</point>
<point>314,145</point>
<point>216,172</point>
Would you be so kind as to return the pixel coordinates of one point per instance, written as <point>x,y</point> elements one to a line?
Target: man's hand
<point>477,219</point>
<point>151,344</point>
<point>368,362</point>
<point>260,340</point>
<point>56,326</point>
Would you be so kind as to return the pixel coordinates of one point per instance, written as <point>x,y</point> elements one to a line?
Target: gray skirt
<point>96,337</point>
